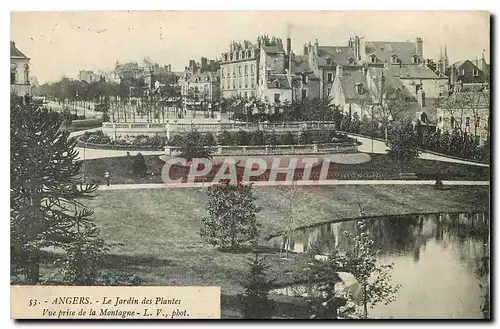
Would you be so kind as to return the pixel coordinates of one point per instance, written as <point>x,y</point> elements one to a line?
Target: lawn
<point>158,229</point>
<point>380,167</point>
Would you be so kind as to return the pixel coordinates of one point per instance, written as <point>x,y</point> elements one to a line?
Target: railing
<point>327,148</point>
<point>21,89</point>
<point>176,127</point>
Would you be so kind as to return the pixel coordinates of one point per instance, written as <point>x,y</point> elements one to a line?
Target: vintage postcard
<point>250,165</point>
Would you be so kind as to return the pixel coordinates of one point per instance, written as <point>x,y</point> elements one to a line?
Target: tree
<point>139,166</point>
<point>193,146</point>
<point>231,216</point>
<point>361,260</point>
<point>46,187</point>
<point>295,202</point>
<point>403,143</point>
<point>257,304</point>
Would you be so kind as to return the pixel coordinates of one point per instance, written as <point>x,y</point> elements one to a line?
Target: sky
<point>63,43</point>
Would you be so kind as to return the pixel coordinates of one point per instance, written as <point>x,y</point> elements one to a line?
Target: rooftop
<point>14,52</point>
<point>384,50</point>
<point>336,54</point>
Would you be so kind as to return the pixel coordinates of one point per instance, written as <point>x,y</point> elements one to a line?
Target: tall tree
<point>232,215</point>
<point>403,142</point>
<point>45,187</point>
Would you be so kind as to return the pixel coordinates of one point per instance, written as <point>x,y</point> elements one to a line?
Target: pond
<point>439,260</point>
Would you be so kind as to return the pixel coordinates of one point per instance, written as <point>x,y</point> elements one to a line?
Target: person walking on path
<point>107,176</point>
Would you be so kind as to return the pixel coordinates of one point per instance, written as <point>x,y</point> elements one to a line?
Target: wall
<point>230,85</point>
<point>444,121</point>
<point>432,87</point>
<point>285,94</point>
<point>312,88</point>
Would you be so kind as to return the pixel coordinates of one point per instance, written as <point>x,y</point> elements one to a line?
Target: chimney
<point>305,49</point>
<point>339,71</point>
<point>309,47</point>
<point>288,45</point>
<point>421,97</point>
<point>420,47</point>
<point>316,45</point>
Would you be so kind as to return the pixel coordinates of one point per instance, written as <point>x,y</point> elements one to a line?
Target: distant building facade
<point>19,72</point>
<point>239,70</point>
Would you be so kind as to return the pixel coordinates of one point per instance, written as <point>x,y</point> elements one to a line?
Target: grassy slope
<point>382,164</point>
<point>159,228</point>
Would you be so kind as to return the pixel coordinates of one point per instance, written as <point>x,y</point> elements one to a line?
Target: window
<point>237,55</point>
<point>373,58</point>
<point>467,121</point>
<point>359,88</point>
<point>246,94</point>
<point>394,59</point>
<point>277,98</point>
<point>277,84</point>
<point>239,70</point>
<point>475,72</point>
<point>223,72</point>
<point>242,55</point>
<point>12,78</point>
<point>440,119</point>
<point>304,78</point>
<point>252,68</point>
<point>452,123</point>
<point>330,77</point>
<point>478,120</point>
<point>246,69</point>
<point>462,72</point>
<point>231,57</point>
<point>328,91</point>
<point>351,60</point>
<point>304,93</point>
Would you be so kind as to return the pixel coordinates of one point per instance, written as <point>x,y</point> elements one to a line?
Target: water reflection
<point>439,259</point>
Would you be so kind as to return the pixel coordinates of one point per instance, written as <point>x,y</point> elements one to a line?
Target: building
<point>412,90</point>
<point>238,70</point>
<point>19,72</point>
<point>201,88</point>
<point>377,53</point>
<point>305,83</point>
<point>323,61</point>
<point>274,84</point>
<point>467,73</point>
<point>468,111</point>
<point>88,76</point>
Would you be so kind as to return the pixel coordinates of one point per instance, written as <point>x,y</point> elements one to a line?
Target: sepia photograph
<point>309,165</point>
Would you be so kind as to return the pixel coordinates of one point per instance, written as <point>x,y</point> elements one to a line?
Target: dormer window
<point>277,84</point>
<point>373,58</point>
<point>328,61</point>
<point>394,59</point>
<point>231,57</point>
<point>475,72</point>
<point>351,60</point>
<point>237,55</point>
<point>359,88</point>
<point>416,59</point>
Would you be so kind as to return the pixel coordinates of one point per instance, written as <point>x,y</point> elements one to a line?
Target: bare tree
<point>297,203</point>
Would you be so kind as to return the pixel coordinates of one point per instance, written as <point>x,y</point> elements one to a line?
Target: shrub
<point>139,166</point>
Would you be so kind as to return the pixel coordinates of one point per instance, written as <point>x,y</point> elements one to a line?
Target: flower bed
<point>99,139</point>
